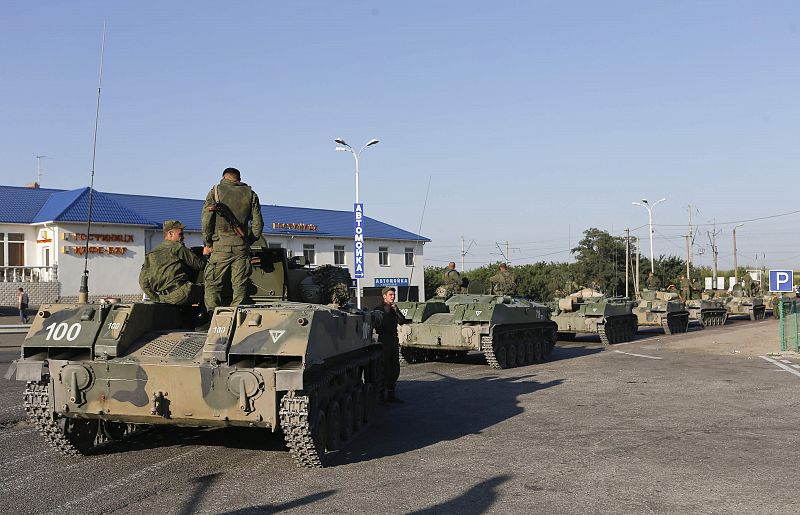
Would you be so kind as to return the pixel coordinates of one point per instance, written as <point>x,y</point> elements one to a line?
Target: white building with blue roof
<point>43,241</point>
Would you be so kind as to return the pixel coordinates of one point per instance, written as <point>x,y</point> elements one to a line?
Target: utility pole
<point>712,238</point>
<point>689,245</point>
<point>735,267</point>
<point>462,254</point>
<point>627,258</point>
<point>638,258</point>
<point>506,254</point>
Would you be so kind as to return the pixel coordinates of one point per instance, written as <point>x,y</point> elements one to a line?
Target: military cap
<point>172,224</point>
<point>387,289</point>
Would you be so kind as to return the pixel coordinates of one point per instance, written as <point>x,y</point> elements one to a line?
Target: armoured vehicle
<point>707,311</point>
<point>588,311</point>
<point>511,331</point>
<point>662,309</point>
<point>96,372</point>
<point>739,304</point>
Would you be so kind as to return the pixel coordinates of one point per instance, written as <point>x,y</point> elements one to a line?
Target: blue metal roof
<point>73,206</point>
<point>29,205</point>
<point>20,205</point>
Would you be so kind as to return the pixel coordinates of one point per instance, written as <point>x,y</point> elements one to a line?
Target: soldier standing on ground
<point>231,222</point>
<point>170,270</point>
<point>387,335</point>
<point>503,281</point>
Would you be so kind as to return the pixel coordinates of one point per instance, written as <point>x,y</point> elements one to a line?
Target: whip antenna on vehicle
<point>83,293</point>
<point>422,217</point>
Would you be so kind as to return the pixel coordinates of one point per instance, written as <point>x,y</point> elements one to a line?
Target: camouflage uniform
<point>504,283</point>
<point>387,335</point>
<point>452,278</point>
<point>169,272</point>
<point>652,282</point>
<point>230,259</point>
<point>685,289</point>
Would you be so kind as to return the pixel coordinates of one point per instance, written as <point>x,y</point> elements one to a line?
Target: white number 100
<point>59,331</point>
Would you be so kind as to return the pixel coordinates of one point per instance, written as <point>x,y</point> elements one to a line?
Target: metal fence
<point>790,340</point>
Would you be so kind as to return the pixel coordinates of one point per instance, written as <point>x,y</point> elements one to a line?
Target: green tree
<point>600,261</point>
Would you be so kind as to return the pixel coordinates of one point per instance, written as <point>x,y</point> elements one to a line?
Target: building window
<point>409,256</point>
<point>274,245</point>
<point>309,254</point>
<point>338,254</point>
<point>12,249</point>
<point>383,256</point>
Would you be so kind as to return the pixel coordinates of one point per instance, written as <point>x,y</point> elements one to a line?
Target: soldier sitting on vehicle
<point>170,271</point>
<point>503,282</point>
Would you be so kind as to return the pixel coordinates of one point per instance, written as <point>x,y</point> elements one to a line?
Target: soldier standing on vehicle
<point>231,222</point>
<point>652,282</point>
<point>170,270</point>
<point>387,335</point>
<point>685,288</point>
<point>503,281</point>
<point>451,277</point>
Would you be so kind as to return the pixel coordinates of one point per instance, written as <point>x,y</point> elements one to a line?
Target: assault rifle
<point>227,214</point>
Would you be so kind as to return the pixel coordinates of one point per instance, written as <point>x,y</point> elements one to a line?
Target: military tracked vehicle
<point>510,331</point>
<point>739,304</point>
<point>589,312</point>
<point>97,372</point>
<point>708,311</point>
<point>662,309</point>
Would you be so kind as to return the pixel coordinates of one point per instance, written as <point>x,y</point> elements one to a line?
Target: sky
<point>524,122</point>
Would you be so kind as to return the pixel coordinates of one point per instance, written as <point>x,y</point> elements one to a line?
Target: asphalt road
<point>688,423</point>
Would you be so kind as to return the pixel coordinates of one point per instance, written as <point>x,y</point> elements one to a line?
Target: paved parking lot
<point>701,422</point>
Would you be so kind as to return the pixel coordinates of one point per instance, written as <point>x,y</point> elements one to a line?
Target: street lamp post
<point>735,266</point>
<point>347,148</point>
<point>649,208</point>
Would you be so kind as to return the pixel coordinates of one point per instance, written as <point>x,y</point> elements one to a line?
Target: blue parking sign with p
<point>781,280</point>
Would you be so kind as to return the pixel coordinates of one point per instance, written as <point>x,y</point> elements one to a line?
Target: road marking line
<point>781,365</point>
<point>638,355</point>
<point>125,480</point>
<point>23,458</point>
<point>786,361</point>
<point>16,433</point>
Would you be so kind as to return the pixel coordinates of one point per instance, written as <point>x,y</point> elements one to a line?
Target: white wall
<point>108,274</point>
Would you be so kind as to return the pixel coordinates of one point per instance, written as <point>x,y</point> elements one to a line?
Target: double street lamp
<point>649,208</point>
<point>347,148</point>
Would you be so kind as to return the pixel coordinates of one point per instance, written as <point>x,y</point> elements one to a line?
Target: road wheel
<point>80,433</point>
<point>511,355</point>
<point>359,409</point>
<point>334,440</point>
<point>319,432</point>
<point>347,417</point>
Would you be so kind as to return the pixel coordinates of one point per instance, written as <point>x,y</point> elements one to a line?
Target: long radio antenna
<point>83,293</point>
<point>421,218</point>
